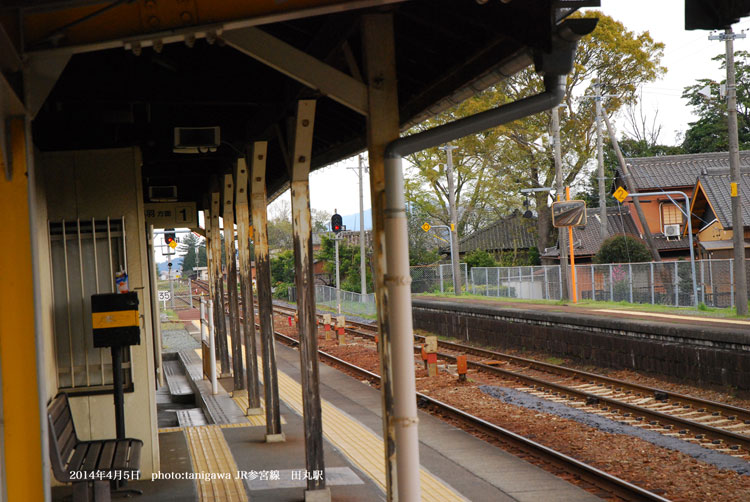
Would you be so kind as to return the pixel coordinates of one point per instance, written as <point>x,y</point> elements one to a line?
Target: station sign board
<point>171,214</point>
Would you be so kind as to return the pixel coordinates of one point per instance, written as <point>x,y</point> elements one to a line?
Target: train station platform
<point>232,461</point>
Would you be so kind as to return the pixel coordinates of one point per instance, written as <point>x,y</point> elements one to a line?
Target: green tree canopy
<point>479,258</point>
<point>349,264</point>
<point>194,250</point>
<point>623,249</point>
<point>491,167</point>
<point>709,132</point>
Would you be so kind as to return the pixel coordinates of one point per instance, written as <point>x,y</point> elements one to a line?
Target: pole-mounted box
<point>115,320</point>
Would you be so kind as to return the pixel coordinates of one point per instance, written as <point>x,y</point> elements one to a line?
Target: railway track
<point>713,425</point>
<point>592,475</point>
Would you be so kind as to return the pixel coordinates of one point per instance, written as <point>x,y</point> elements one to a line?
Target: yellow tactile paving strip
<point>210,453</point>
<point>255,420</point>
<point>359,444</point>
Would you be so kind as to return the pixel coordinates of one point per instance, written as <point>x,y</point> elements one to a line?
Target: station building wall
<point>96,184</point>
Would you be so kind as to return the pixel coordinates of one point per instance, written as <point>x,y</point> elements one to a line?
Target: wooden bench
<point>89,465</point>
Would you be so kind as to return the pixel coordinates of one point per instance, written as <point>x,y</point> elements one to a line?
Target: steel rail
<point>597,477</point>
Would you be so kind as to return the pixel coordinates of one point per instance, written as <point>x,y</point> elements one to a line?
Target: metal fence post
<point>611,287</point>
<point>440,271</point>
<point>653,298</point>
<point>593,285</point>
<point>731,283</point>
<point>559,279</point>
<point>676,286</point>
<point>190,292</point>
<point>546,284</point>
<point>498,281</point>
<point>487,281</point>
<point>703,283</point>
<point>711,279</point>
<point>630,281</point>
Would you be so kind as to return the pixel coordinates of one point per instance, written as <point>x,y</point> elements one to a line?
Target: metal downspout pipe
<point>397,277</point>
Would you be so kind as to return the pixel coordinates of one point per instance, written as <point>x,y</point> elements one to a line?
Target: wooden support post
<point>305,282</point>
<point>382,128</point>
<point>238,369</point>
<point>265,301</point>
<point>246,287</point>
<point>222,350</point>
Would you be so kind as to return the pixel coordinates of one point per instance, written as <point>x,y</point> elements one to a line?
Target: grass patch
<point>554,360</point>
<point>701,311</point>
<point>172,325</point>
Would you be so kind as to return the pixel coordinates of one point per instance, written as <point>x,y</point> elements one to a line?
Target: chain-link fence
<point>352,303</point>
<point>437,278</point>
<point>528,283</point>
<point>177,294</point>
<point>659,283</point>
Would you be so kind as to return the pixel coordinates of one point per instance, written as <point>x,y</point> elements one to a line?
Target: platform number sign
<point>171,214</point>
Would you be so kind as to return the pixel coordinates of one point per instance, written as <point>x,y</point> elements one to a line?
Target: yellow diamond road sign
<point>620,194</point>
<point>173,244</point>
<point>426,227</point>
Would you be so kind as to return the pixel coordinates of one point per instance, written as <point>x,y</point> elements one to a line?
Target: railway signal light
<point>169,237</point>
<point>337,224</point>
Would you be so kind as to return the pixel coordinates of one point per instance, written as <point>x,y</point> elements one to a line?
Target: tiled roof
<point>715,184</point>
<point>670,171</point>
<point>619,220</point>
<point>512,232</point>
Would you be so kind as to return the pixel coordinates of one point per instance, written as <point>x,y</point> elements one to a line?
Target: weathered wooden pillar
<point>232,293</point>
<point>246,287</point>
<point>305,282</point>
<point>265,301</point>
<point>382,128</point>
<point>222,351</point>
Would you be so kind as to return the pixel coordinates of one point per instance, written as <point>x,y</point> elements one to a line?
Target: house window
<point>85,256</point>
<point>670,214</point>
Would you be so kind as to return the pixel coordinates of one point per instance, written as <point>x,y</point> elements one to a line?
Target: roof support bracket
<point>300,66</point>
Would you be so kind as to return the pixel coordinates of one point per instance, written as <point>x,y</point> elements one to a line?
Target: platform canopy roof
<point>134,70</point>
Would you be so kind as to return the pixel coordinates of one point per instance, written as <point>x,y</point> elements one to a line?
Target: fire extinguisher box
<point>114,318</point>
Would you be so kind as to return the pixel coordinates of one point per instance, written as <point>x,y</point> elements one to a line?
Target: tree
<point>349,264</point>
<point>194,249</point>
<point>622,249</point>
<point>492,166</point>
<point>479,258</point>
<point>709,132</point>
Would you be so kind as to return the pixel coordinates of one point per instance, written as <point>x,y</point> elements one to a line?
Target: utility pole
<point>563,237</point>
<point>448,149</point>
<point>362,270</point>
<point>600,159</point>
<point>735,179</point>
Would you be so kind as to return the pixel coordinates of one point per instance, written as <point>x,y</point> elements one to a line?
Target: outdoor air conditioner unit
<point>672,231</point>
<point>196,139</point>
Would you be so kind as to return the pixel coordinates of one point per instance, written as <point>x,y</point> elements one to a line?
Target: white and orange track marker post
<point>327,325</point>
<point>423,355</point>
<point>341,329</point>
<point>461,367</point>
<point>430,348</point>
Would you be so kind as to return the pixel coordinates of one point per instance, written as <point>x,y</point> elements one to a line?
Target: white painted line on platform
<point>673,316</point>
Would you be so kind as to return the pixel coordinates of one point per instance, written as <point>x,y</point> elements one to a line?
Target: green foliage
<point>281,289</point>
<point>491,167</point>
<point>423,246</point>
<point>622,249</point>
<point>194,249</point>
<point>282,267</point>
<point>349,264</point>
<point>709,132</point>
<point>479,258</point>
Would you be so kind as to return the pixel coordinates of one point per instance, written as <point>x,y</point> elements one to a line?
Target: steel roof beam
<point>300,66</point>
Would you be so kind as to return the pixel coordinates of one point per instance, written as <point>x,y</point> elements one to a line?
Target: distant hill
<point>351,221</point>
<point>176,265</point>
